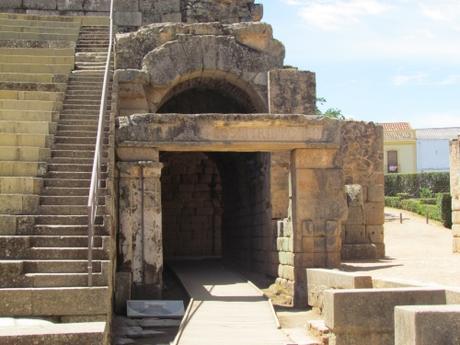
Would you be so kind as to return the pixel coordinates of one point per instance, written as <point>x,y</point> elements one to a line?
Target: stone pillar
<point>455,192</point>
<point>318,210</point>
<point>140,244</point>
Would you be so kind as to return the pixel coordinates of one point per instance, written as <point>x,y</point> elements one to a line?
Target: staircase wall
<point>135,13</point>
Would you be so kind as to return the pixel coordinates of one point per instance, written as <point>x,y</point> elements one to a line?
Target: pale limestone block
<point>427,325</point>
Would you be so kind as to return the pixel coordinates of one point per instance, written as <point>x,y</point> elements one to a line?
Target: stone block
<point>355,234</point>
<point>122,291</point>
<point>70,5</point>
<point>427,325</point>
<point>356,215</point>
<point>126,5</point>
<point>375,193</point>
<point>456,245</point>
<point>128,18</point>
<point>292,92</point>
<point>453,296</point>
<point>318,194</point>
<point>375,233</point>
<point>366,316</point>
<point>374,212</point>
<point>359,251</point>
<point>286,272</point>
<point>97,5</point>
<point>40,4</point>
<point>319,280</point>
<point>455,217</point>
<point>10,4</point>
<point>314,159</point>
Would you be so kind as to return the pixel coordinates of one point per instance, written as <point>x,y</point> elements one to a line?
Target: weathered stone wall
<point>455,191</point>
<point>192,205</point>
<point>134,13</point>
<point>169,58</point>
<point>362,154</point>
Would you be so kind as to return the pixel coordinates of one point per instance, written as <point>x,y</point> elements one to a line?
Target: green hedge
<point>411,184</point>
<point>440,211</point>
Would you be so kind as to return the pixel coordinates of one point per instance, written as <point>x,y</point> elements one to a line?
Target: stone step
<point>41,29</point>
<point>32,86</point>
<point>63,230</point>
<point>61,301</point>
<point>68,153</point>
<point>39,36</point>
<point>70,167</point>
<point>61,266</point>
<point>20,185</point>
<point>25,139</point>
<point>67,183</point>
<point>58,191</point>
<point>38,23</point>
<point>47,60</point>
<point>8,104</point>
<point>73,160</point>
<point>63,241</point>
<point>46,280</point>
<point>77,147</point>
<point>74,140</point>
<point>69,175</point>
<point>28,115</point>
<point>55,253</point>
<point>35,68</point>
<point>66,210</point>
<point>34,77</point>
<point>69,52</point>
<point>22,169</point>
<point>40,18</point>
<point>27,43</point>
<point>16,204</point>
<point>24,153</point>
<point>66,220</point>
<point>68,200</point>
<point>31,95</point>
<point>27,127</point>
<point>77,133</point>
<point>57,334</point>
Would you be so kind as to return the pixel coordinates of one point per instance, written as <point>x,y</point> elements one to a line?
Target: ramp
<point>225,309</point>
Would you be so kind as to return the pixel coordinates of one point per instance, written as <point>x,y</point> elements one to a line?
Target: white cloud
<point>331,15</point>
<point>445,11</point>
<point>424,79</point>
<point>404,79</point>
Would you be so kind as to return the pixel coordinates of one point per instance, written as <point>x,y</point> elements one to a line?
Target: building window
<point>392,160</point>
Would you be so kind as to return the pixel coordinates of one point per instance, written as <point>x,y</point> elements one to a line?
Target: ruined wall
<point>192,205</point>
<point>455,191</point>
<point>362,154</point>
<point>134,13</point>
<point>157,60</point>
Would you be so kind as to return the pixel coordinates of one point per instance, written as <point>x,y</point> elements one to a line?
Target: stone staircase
<point>49,101</point>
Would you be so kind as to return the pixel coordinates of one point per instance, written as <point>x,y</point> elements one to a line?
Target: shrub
<point>444,204</point>
<point>393,201</point>
<point>403,196</point>
<point>425,192</point>
<point>438,208</point>
<point>411,184</point>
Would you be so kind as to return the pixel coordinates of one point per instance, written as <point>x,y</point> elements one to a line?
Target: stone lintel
<point>137,168</point>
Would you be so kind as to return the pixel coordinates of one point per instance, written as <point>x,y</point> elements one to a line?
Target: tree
<point>331,113</point>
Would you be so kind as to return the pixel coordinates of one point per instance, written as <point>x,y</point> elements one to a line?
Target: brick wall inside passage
<point>192,205</point>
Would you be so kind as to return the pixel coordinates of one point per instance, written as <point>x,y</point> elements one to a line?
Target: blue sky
<point>377,60</point>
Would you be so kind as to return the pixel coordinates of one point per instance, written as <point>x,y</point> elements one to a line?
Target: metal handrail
<point>96,171</point>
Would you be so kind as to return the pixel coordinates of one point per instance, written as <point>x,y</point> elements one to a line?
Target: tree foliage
<point>331,113</point>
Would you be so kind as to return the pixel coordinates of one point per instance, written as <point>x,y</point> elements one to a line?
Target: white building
<point>433,148</point>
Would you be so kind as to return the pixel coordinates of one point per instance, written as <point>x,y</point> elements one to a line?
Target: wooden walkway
<point>226,309</point>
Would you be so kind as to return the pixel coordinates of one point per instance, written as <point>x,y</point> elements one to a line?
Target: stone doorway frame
<point>311,234</point>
